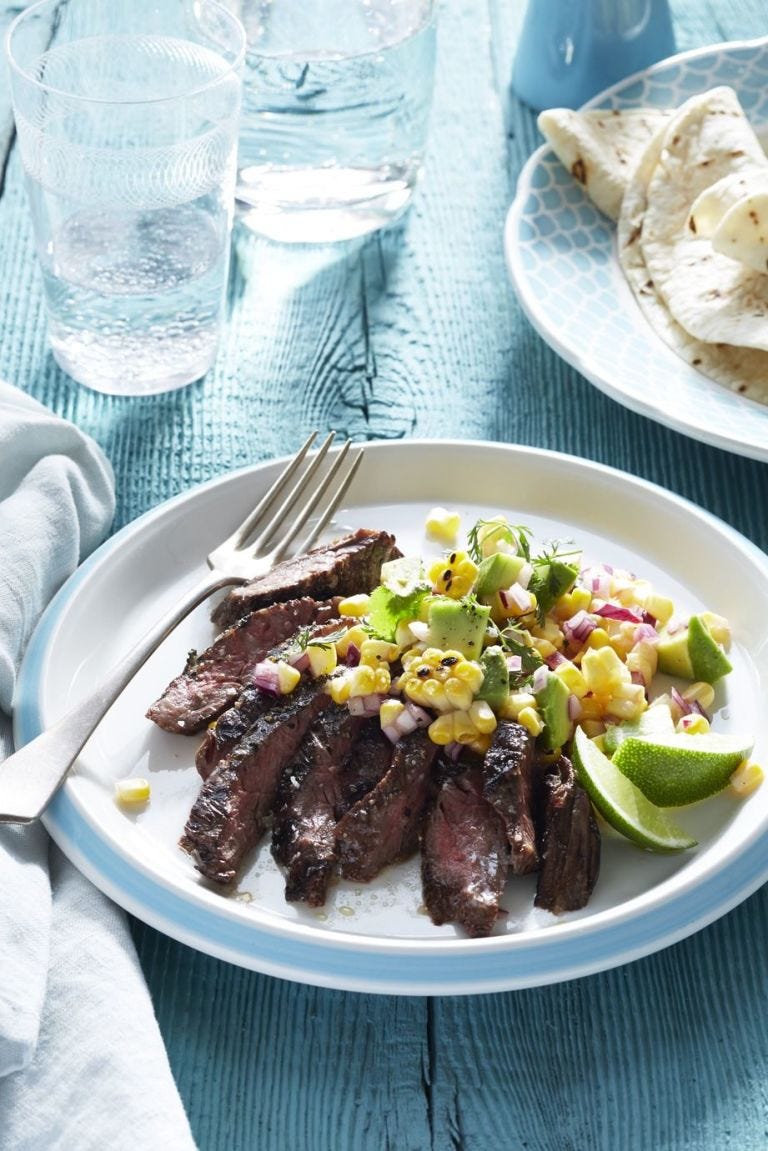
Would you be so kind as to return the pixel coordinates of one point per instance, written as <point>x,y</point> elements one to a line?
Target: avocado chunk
<point>458,624</point>
<point>551,579</point>
<point>693,653</point>
<point>496,572</point>
<point>495,686</point>
<point>552,699</point>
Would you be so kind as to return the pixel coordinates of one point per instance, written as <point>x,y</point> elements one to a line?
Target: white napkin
<point>82,1063</point>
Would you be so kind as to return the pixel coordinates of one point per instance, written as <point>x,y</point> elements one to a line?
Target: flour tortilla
<point>715,298</point>
<point>600,147</point>
<point>742,370</point>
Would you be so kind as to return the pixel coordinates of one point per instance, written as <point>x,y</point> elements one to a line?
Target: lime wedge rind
<point>622,804</point>
<point>674,771</point>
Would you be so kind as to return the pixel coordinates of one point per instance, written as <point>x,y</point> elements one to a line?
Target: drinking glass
<point>127,119</point>
<point>336,99</point>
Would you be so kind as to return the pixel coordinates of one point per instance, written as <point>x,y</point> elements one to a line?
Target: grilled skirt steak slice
<point>384,825</point>
<point>464,855</point>
<point>229,814</point>
<point>233,723</point>
<point>508,783</point>
<point>304,821</point>
<point>213,680</point>
<point>569,841</point>
<point>346,566</point>
<point>367,763</point>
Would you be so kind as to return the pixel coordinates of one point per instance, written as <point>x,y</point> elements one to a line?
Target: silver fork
<point>30,778</point>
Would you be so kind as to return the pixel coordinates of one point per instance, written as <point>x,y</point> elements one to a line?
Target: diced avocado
<point>692,653</point>
<point>458,624</point>
<point>553,707</point>
<point>550,580</point>
<point>495,685</point>
<point>497,571</point>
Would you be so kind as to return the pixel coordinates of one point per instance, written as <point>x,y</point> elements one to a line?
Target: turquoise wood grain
<point>417,332</point>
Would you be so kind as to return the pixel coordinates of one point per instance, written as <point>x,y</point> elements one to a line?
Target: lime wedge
<point>621,803</point>
<point>656,721</point>
<point>677,769</point>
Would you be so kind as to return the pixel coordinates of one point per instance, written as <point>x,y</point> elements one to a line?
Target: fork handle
<point>31,776</point>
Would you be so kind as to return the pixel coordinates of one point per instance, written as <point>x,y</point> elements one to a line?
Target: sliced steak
<point>213,680</point>
<point>367,763</point>
<point>569,841</point>
<point>383,826</point>
<point>508,783</point>
<point>228,817</point>
<point>346,566</point>
<point>304,819</point>
<point>464,855</point>
<point>233,723</point>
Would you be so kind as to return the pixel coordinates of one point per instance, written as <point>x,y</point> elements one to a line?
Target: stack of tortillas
<point>689,190</point>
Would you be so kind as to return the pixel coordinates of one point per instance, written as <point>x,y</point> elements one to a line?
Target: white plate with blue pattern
<point>561,254</point>
<point>376,937</point>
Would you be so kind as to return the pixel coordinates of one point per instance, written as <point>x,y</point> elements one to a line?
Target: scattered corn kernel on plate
<point>376,937</point>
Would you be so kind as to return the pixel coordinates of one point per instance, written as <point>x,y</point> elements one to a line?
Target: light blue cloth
<point>82,1064</point>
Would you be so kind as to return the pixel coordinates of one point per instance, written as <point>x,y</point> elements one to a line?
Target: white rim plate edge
<point>751,438</point>
<point>423,967</point>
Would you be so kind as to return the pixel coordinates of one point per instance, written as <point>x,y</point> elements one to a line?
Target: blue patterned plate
<point>561,253</point>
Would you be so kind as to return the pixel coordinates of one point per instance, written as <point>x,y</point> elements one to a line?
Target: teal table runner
<point>417,334</point>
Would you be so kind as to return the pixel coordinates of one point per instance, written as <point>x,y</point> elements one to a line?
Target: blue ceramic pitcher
<point>569,50</point>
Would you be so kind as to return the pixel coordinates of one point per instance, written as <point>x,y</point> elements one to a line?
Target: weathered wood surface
<point>417,333</point>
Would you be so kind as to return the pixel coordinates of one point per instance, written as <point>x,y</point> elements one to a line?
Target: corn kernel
<point>322,658</point>
<point>383,680</point>
<point>661,608</point>
<point>390,710</point>
<point>441,730</point>
<point>434,695</point>
<point>531,721</point>
<point>374,652</point>
<point>701,693</point>
<point>493,536</point>
<point>693,724</point>
<point>480,743</point>
<point>592,727</point>
<point>454,575</point>
<point>543,647</point>
<point>469,673</point>
<point>287,677</point>
<point>356,635</point>
<point>442,526</point>
<point>592,707</point>
<point>131,792</point>
<point>572,677</point>
<point>432,656</point>
<point>550,632</point>
<point>362,680</point>
<point>464,730</point>
<point>718,628</point>
<point>746,778</point>
<point>602,669</point>
<point>599,638</point>
<point>573,601</point>
<point>515,703</point>
<point>458,694</point>
<point>339,688</point>
<point>481,714</point>
<point>355,605</point>
<point>403,635</point>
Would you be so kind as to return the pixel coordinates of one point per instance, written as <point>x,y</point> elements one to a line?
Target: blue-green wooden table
<point>417,333</point>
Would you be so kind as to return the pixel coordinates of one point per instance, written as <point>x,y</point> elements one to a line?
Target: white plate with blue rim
<point>561,255</point>
<point>377,937</point>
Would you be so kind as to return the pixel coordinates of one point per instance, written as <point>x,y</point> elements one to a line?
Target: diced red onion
<point>638,678</point>
<point>539,678</point>
<point>554,660</point>
<point>524,575</point>
<point>352,658</point>
<point>579,627</point>
<point>517,597</point>
<point>503,598</point>
<point>597,580</point>
<point>677,698</point>
<point>300,661</point>
<point>613,611</point>
<point>453,751</point>
<point>574,707</point>
<point>676,623</point>
<point>367,705</point>
<point>421,717</point>
<point>419,630</point>
<point>266,677</point>
<point>392,733</point>
<point>696,708</point>
<point>514,664</point>
<point>645,633</point>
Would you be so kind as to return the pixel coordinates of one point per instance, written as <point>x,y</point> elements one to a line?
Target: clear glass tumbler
<point>336,100</point>
<point>127,118</point>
